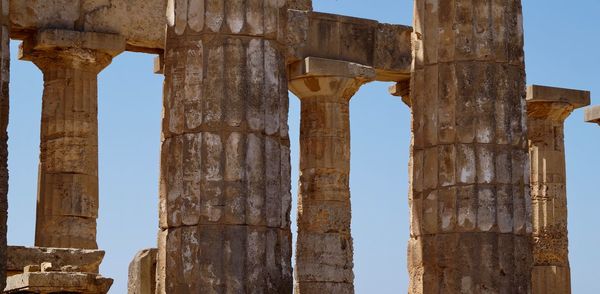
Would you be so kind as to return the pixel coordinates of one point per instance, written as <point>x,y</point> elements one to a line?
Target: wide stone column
<point>547,109</point>
<point>324,251</point>
<point>225,165</point>
<point>67,206</point>
<point>469,197</point>
<point>4,110</point>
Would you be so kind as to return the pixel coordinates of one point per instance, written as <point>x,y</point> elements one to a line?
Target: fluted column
<point>547,109</point>
<point>324,251</point>
<point>4,111</point>
<point>67,206</point>
<point>225,165</point>
<point>469,197</point>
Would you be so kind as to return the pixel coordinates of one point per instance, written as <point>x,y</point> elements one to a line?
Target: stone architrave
<point>469,174</point>
<point>324,250</point>
<point>225,166</point>
<point>67,206</point>
<point>547,109</point>
<point>592,114</point>
<point>4,110</point>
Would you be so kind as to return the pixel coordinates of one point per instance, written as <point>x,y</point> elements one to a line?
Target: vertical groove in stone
<point>551,271</point>
<point>470,210</point>
<point>225,189</point>
<point>68,172</point>
<point>4,114</point>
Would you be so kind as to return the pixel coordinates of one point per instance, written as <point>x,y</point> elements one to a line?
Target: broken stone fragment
<point>19,257</point>
<point>33,268</point>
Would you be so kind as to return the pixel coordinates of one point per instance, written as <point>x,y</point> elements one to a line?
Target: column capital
<point>401,89</point>
<point>79,49</point>
<point>592,114</point>
<point>326,78</point>
<point>554,103</point>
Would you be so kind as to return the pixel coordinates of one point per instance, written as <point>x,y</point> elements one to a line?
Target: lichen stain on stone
<point>312,84</point>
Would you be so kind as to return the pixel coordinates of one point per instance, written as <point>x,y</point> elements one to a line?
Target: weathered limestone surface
<point>225,164</point>
<point>324,251</point>
<point>547,109</point>
<point>592,114</point>
<point>4,110</point>
<point>470,209</point>
<point>83,260</point>
<point>142,272</point>
<point>68,172</point>
<point>384,47</point>
<point>140,22</point>
<point>58,282</point>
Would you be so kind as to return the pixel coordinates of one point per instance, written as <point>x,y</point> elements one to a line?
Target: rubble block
<point>142,272</point>
<point>83,260</point>
<point>592,114</point>
<point>58,282</point>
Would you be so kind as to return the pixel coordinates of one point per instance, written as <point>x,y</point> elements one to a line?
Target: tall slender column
<point>4,110</point>
<point>324,251</point>
<point>67,206</point>
<point>547,109</point>
<point>469,197</point>
<point>225,165</point>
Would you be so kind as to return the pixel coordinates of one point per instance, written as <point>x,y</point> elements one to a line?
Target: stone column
<point>324,249</point>
<point>67,206</point>
<point>547,109</point>
<point>469,171</point>
<point>225,165</point>
<point>4,110</point>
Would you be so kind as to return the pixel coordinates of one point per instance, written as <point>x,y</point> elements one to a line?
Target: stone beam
<point>142,23</point>
<point>547,109</point>
<point>592,114</point>
<point>384,47</point>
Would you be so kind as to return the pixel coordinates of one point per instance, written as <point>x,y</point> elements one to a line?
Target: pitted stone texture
<point>4,111</point>
<point>68,193</point>
<point>142,272</point>
<point>470,210</point>
<point>547,109</point>
<point>225,164</point>
<point>305,5</point>
<point>324,251</point>
<point>384,47</point>
<point>58,282</point>
<point>84,260</point>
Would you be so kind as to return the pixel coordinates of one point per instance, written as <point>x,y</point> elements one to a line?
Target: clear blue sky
<point>562,45</point>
